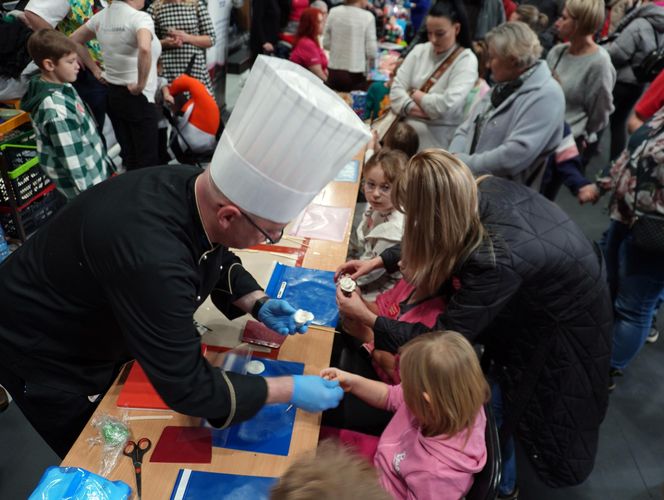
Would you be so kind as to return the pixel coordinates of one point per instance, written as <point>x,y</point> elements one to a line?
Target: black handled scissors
<point>135,451</point>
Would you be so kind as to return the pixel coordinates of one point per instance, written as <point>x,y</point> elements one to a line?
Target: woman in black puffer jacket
<point>528,285</point>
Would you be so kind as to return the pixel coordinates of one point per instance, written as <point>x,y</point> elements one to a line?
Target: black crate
<point>34,215</point>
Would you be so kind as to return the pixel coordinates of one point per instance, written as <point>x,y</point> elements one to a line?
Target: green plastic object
<point>114,433</point>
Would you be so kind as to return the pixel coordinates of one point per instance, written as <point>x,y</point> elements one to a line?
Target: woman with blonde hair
<point>516,125</point>
<point>524,281</point>
<point>434,443</point>
<point>584,71</point>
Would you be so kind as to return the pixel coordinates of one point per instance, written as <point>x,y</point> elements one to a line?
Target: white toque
<point>288,136</point>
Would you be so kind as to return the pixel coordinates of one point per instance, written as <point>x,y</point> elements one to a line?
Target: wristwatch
<point>258,304</point>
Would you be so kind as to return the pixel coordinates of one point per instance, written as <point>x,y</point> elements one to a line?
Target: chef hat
<point>288,136</point>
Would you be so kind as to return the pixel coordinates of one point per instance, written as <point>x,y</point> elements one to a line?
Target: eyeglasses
<point>268,238</point>
<point>383,188</point>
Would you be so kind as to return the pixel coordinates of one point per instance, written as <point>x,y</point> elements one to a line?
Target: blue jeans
<point>637,282</point>
<point>508,476</point>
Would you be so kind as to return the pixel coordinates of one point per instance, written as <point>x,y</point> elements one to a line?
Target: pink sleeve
<point>306,53</point>
<point>394,398</point>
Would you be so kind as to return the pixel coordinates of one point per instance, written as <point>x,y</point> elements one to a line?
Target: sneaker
<point>653,335</point>
<point>510,496</point>
<point>4,400</point>
<point>613,373</point>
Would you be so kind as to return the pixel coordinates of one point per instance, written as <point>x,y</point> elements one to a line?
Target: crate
<point>25,176</point>
<point>12,118</point>
<point>35,215</point>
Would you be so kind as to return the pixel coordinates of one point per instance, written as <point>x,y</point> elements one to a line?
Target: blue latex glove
<point>314,394</point>
<point>278,316</point>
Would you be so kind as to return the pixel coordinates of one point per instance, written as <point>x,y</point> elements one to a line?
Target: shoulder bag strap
<point>441,69</point>
<point>562,53</point>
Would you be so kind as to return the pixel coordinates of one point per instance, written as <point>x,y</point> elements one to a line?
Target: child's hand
<point>354,307</point>
<point>344,378</point>
<point>589,192</point>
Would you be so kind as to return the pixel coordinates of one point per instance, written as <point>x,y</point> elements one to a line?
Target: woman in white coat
<point>436,114</point>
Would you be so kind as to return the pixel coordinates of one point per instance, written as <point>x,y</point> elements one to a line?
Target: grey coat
<point>635,39</point>
<point>525,128</point>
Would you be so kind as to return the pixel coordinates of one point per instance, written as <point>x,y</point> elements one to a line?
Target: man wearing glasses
<point>120,271</point>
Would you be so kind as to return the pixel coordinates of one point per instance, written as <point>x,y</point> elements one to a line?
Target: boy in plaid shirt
<point>71,151</point>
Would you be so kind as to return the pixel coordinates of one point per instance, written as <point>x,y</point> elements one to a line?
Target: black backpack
<point>651,65</point>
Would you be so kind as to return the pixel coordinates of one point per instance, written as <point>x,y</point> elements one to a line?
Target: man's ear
<point>226,214</point>
<point>48,64</point>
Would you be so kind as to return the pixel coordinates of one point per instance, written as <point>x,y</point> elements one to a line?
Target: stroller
<point>197,123</point>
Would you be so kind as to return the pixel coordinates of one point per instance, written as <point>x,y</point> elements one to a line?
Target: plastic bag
<point>113,435</point>
<point>73,483</point>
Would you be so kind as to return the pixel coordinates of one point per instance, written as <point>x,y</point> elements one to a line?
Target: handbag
<point>386,125</point>
<point>647,228</point>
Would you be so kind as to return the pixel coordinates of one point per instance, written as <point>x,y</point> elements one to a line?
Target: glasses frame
<point>268,239</point>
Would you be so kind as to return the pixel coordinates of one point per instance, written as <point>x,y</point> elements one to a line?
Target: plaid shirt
<point>70,149</point>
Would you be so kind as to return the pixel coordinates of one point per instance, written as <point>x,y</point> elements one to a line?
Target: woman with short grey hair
<point>514,128</point>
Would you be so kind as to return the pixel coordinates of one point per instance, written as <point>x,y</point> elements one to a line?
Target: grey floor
<point>630,462</point>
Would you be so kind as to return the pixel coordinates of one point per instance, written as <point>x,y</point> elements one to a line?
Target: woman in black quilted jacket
<point>532,290</point>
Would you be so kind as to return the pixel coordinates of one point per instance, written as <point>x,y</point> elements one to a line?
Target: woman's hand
<point>171,42</point>
<point>355,308</point>
<point>357,268</point>
<point>344,378</point>
<point>417,96</point>
<point>180,35</point>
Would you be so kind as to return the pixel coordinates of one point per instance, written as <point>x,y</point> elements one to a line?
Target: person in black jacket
<point>529,286</point>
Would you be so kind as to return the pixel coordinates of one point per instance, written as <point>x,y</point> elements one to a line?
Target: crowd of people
<point>493,106</point>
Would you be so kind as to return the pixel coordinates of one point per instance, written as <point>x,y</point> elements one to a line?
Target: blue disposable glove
<point>278,316</point>
<point>314,394</point>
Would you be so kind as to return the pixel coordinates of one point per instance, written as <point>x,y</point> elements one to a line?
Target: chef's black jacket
<point>117,274</point>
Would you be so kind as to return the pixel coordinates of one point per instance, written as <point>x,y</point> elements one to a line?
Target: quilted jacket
<point>536,279</point>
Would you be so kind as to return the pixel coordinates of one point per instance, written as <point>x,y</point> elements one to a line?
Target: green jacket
<point>71,151</point>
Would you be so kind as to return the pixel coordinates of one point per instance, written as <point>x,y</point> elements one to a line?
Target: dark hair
<point>309,25</point>
<point>49,44</point>
<point>455,11</point>
<point>403,138</point>
<point>392,161</point>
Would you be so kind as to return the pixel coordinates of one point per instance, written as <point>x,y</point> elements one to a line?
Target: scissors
<point>135,451</point>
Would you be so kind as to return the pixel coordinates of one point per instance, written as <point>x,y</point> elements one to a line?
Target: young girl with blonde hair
<point>435,441</point>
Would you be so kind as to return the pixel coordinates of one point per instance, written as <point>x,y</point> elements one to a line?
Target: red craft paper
<point>138,392</point>
<point>259,334</point>
<point>187,445</point>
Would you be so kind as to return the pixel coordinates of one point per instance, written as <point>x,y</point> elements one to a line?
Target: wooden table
<point>313,349</point>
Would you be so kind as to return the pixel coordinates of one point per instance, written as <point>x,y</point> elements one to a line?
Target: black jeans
<point>135,124</point>
<point>625,96</point>
<point>58,416</point>
<point>94,94</point>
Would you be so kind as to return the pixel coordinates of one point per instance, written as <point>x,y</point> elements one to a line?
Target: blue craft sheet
<point>198,485</point>
<point>271,429</point>
<point>349,173</point>
<point>309,289</point>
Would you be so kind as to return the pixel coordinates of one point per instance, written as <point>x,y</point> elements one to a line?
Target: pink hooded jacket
<point>416,467</point>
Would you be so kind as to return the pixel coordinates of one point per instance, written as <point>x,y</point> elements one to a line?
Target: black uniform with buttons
<point>116,275</point>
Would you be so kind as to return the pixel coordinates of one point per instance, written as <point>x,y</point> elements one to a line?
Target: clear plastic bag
<point>113,434</point>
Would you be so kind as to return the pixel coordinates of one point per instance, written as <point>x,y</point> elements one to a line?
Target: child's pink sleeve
<point>394,398</point>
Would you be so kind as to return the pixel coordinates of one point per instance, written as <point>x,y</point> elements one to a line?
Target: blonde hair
<point>438,194</point>
<point>531,15</point>
<point>444,366</point>
<point>516,40</point>
<point>392,161</point>
<point>333,473</point>
<point>588,14</point>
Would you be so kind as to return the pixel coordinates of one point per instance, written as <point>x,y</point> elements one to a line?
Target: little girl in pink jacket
<point>435,443</point>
